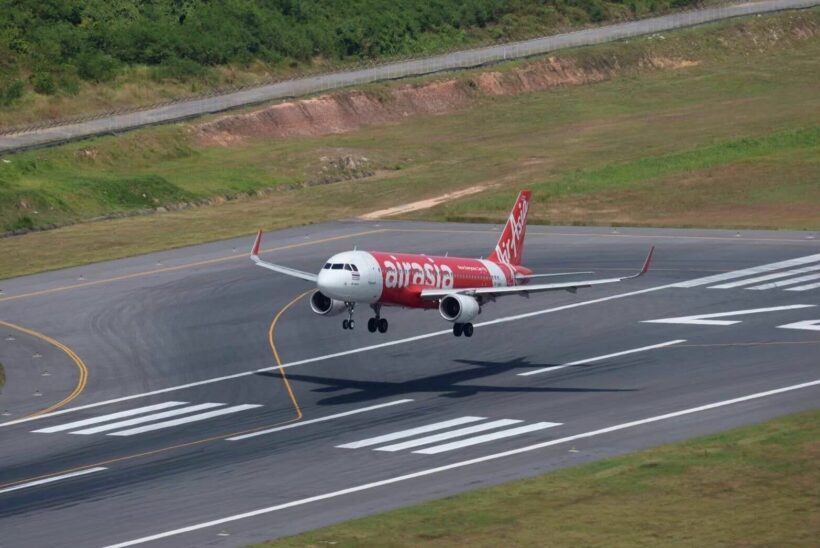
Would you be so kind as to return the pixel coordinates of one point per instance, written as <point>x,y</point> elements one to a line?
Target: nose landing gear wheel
<point>345,324</point>
<point>457,329</point>
<point>382,325</point>
<point>372,325</point>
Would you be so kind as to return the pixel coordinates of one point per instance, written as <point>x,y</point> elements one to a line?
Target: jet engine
<point>459,308</point>
<point>325,306</point>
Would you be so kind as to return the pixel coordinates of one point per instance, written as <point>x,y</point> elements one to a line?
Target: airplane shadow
<point>448,385</point>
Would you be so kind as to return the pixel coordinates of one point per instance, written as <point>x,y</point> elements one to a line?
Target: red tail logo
<point>510,246</point>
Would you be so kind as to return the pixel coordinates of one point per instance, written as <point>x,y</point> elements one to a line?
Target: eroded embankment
<point>349,111</point>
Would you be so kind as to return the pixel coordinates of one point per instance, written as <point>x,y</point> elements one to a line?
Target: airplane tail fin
<point>510,246</point>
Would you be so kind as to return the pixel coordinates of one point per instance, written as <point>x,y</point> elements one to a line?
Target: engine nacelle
<point>458,308</point>
<point>325,306</point>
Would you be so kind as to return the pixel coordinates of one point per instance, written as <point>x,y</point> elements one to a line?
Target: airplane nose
<point>323,281</point>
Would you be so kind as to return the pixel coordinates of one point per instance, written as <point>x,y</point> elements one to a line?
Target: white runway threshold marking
<point>52,479</point>
<point>409,433</point>
<point>460,432</point>
<point>462,464</point>
<point>140,420</point>
<point>599,358</point>
<point>109,417</point>
<point>186,420</point>
<point>749,271</point>
<point>705,319</point>
<point>320,419</point>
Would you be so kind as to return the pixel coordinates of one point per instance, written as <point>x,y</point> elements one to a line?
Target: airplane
<point>459,287</point>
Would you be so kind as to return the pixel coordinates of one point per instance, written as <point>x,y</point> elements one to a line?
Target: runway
<point>184,430</point>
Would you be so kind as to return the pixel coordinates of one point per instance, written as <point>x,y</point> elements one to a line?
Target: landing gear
<point>349,323</point>
<point>463,328</point>
<point>377,323</point>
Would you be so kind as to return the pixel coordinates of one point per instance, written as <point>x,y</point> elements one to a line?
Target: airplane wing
<point>307,276</point>
<point>434,294</point>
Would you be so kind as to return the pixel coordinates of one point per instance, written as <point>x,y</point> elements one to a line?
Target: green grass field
<point>730,140</point>
<point>754,486</point>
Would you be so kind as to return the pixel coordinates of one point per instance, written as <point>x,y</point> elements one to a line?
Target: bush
<point>11,93</point>
<point>179,69</point>
<point>43,83</point>
<point>97,67</point>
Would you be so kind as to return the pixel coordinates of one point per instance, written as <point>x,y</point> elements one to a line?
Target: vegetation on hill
<point>55,47</point>
<point>731,138</point>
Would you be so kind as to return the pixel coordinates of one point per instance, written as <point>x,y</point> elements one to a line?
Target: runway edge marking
<point>462,464</point>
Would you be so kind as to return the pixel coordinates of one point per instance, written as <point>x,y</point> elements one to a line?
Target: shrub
<point>96,66</point>
<point>11,93</point>
<point>43,83</point>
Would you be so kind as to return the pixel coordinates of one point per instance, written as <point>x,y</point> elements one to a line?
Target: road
<point>13,142</point>
<point>229,453</point>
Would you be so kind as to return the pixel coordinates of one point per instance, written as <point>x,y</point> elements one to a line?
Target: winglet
<point>256,244</point>
<point>646,263</point>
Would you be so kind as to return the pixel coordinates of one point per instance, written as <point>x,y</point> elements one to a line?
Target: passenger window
<point>337,266</point>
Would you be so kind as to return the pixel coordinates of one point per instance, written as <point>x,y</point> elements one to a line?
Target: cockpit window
<point>353,266</point>
<point>327,266</point>
<point>337,266</point>
<point>347,267</point>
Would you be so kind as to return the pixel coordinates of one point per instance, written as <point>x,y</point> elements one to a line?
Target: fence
<point>50,133</point>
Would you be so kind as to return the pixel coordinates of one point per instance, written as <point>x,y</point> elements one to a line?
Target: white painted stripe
<point>52,479</point>
<point>784,283</point>
<point>704,319</point>
<point>110,417</point>
<point>410,433</point>
<point>461,464</point>
<point>185,420</point>
<point>599,358</point>
<point>749,271</point>
<point>804,287</point>
<point>767,277</point>
<point>808,325</point>
<point>484,438</point>
<point>344,353</point>
<point>320,419</point>
<point>140,420</point>
<point>448,435</point>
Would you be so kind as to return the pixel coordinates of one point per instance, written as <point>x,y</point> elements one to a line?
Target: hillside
<point>63,58</point>
<point>717,126</point>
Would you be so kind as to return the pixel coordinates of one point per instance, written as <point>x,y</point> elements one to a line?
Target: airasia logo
<point>403,274</point>
<point>508,248</point>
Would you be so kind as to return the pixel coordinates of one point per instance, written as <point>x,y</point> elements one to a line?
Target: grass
<point>754,486</point>
<point>731,141</point>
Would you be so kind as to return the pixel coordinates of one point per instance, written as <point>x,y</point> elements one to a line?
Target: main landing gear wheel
<point>465,329</point>
<point>377,323</point>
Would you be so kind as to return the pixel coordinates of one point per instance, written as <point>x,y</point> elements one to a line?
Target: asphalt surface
<point>389,71</point>
<point>188,316</point>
